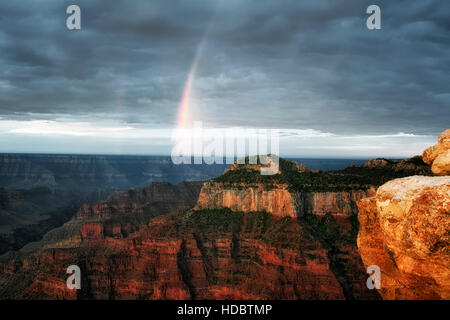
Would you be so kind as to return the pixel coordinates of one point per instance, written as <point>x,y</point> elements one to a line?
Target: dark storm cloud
<point>286,64</point>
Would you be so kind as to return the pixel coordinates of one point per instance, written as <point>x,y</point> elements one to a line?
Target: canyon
<point>39,192</point>
<point>290,236</point>
<point>94,172</point>
<point>211,254</point>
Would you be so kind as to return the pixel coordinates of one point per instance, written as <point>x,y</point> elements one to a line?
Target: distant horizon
<point>168,156</point>
<point>100,138</point>
<point>323,164</point>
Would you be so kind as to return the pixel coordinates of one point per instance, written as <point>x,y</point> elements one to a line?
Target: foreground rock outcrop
<point>405,231</point>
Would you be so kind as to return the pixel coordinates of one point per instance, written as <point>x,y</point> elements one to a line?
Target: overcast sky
<point>309,68</point>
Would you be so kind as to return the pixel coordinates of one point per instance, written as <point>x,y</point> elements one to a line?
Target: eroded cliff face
<point>279,201</point>
<point>158,195</point>
<point>342,203</point>
<point>405,231</point>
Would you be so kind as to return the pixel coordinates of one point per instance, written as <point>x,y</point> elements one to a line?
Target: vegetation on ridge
<point>298,178</point>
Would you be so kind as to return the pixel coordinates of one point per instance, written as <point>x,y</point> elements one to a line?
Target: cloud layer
<point>293,65</point>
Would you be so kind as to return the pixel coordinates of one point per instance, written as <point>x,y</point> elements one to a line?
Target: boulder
<point>438,155</point>
<point>441,165</point>
<point>412,247</point>
<point>444,137</point>
<point>431,153</point>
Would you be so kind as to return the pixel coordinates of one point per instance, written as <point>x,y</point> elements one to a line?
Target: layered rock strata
<point>279,200</point>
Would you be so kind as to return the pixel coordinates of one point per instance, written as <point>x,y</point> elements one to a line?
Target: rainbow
<point>183,114</point>
<point>184,105</point>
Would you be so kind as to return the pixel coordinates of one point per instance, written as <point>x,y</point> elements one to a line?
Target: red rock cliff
<point>184,256</point>
<point>206,254</point>
<point>342,203</point>
<point>278,200</point>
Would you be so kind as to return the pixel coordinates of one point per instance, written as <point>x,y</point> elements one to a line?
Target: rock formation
<point>295,190</point>
<point>404,230</point>
<point>439,155</point>
<point>279,200</point>
<point>343,203</point>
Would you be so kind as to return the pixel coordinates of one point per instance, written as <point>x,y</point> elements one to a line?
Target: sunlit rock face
<point>405,231</point>
<point>342,203</point>
<point>439,155</point>
<point>441,165</point>
<point>278,200</point>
